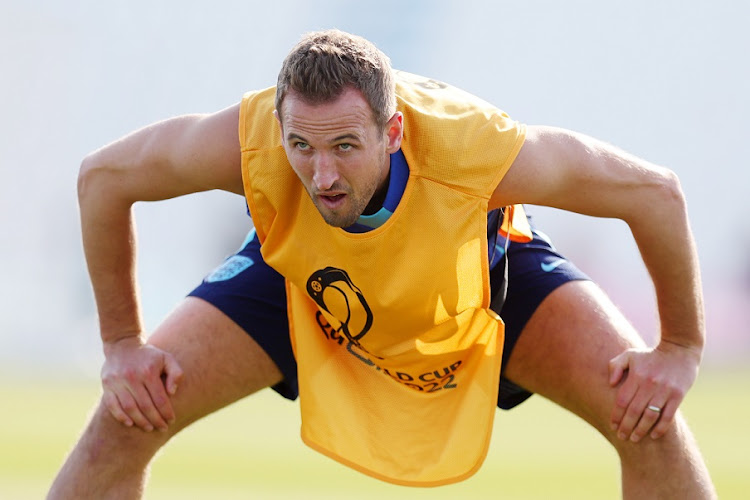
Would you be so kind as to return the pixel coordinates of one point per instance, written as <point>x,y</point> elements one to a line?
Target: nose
<point>325,173</point>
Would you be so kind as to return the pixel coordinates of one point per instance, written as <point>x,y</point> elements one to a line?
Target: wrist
<point>127,340</point>
<point>691,349</point>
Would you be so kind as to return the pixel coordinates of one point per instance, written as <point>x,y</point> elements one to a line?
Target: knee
<point>677,444</point>
<point>109,460</point>
<point>107,439</point>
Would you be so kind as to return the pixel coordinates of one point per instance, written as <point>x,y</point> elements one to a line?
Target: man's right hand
<point>138,381</point>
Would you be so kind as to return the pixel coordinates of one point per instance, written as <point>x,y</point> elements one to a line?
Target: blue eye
<point>345,147</point>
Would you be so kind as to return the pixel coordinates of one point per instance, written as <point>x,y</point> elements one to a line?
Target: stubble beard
<point>335,219</point>
<point>354,207</point>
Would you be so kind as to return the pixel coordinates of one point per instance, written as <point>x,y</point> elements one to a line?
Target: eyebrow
<point>346,136</point>
<point>293,136</point>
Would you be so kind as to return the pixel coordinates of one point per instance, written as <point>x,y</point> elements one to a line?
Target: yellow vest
<point>398,352</point>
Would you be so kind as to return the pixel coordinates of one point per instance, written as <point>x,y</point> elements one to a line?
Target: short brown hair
<point>324,63</point>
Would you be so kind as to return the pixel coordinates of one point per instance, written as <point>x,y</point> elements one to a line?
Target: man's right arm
<point>175,157</point>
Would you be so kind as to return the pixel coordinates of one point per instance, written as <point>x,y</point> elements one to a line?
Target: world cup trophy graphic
<point>335,293</point>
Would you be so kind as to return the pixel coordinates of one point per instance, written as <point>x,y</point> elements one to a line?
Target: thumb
<point>173,373</point>
<point>617,367</point>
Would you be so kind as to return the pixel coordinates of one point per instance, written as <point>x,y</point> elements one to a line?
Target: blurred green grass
<point>252,449</point>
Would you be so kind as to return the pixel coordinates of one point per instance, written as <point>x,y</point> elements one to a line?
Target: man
<point>375,205</point>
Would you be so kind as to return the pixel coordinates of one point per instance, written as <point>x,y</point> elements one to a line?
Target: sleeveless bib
<point>398,352</point>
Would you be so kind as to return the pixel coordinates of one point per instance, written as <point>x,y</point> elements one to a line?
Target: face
<point>338,152</point>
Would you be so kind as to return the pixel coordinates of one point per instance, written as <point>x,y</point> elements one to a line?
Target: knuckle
<point>159,401</point>
<point>139,419</point>
<point>622,401</point>
<point>108,379</point>
<point>633,413</point>
<point>114,410</point>
<point>145,371</point>
<point>130,374</point>
<point>151,413</point>
<point>650,417</point>
<point>128,405</point>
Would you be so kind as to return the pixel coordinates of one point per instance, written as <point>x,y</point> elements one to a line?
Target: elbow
<point>85,173</point>
<point>91,176</point>
<point>99,183</point>
<point>670,190</point>
<point>660,198</point>
<point>658,195</point>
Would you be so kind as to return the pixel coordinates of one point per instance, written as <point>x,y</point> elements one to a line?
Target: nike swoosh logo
<point>551,266</point>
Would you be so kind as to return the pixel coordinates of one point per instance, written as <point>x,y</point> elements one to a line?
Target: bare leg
<point>221,364</point>
<point>576,331</point>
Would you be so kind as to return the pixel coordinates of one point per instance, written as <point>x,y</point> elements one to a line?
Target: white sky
<point>665,80</point>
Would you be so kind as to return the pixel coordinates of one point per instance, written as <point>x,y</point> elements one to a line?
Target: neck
<point>378,198</point>
<point>376,202</point>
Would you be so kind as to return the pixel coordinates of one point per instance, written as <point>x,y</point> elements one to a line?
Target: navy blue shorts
<point>252,294</point>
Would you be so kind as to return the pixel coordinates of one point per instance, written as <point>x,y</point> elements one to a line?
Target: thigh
<point>221,364</point>
<point>564,351</point>
<point>230,335</point>
<point>253,295</point>
<point>535,269</point>
<point>220,361</point>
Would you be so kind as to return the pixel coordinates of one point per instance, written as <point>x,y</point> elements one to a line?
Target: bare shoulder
<point>568,170</point>
<point>177,156</point>
<point>531,173</point>
<point>208,145</point>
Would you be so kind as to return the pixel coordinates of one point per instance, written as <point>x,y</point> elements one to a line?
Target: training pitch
<point>253,449</point>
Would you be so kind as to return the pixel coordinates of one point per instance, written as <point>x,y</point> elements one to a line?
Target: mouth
<point>332,201</point>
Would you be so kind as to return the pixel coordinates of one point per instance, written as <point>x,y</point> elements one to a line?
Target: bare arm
<point>171,158</point>
<point>178,156</point>
<point>574,172</point>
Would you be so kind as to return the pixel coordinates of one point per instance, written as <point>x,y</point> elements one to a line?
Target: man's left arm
<point>574,172</point>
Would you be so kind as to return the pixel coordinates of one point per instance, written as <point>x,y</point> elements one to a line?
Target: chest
<point>426,266</point>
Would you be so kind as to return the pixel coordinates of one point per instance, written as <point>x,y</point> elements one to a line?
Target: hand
<point>138,382</point>
<point>654,383</point>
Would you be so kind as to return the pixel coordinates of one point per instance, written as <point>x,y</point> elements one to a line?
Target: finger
<point>668,413</point>
<point>113,406</point>
<point>651,415</point>
<point>130,407</point>
<point>173,372</point>
<point>161,403</point>
<point>623,399</point>
<point>147,408</point>
<point>645,393</point>
<point>633,414</point>
<point>617,368</point>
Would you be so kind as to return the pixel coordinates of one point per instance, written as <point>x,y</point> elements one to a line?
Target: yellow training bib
<point>398,353</point>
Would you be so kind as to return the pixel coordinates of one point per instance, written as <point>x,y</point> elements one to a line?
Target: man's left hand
<point>653,384</point>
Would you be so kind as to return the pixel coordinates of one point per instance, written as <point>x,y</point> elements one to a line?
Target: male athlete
<point>371,283</point>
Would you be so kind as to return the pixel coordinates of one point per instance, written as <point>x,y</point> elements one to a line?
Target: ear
<point>394,131</point>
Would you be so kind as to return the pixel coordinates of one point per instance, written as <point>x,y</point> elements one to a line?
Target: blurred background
<point>667,81</point>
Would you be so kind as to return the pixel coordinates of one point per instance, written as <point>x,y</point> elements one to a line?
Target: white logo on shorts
<point>231,267</point>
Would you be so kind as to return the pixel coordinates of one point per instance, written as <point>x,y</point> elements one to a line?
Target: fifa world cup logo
<point>332,289</point>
